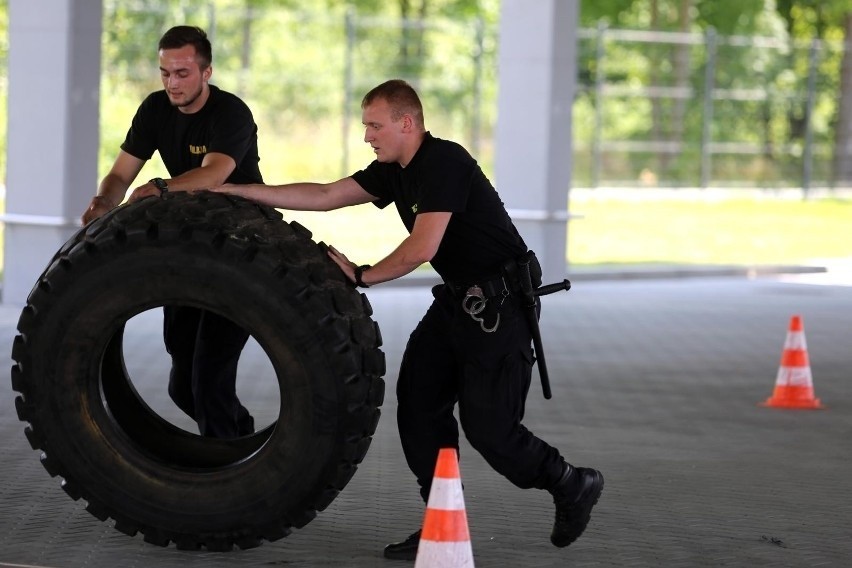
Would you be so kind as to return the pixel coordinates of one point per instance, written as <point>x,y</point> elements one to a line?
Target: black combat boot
<point>574,495</point>
<point>405,550</point>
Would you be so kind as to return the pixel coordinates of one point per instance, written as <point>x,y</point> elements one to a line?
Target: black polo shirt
<point>224,125</point>
<point>443,177</point>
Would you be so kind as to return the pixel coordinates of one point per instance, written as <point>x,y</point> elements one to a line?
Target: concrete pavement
<point>655,382</point>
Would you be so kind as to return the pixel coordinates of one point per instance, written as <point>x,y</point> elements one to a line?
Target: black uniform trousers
<point>205,349</point>
<point>449,359</point>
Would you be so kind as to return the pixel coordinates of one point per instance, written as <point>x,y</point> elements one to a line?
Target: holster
<point>514,268</point>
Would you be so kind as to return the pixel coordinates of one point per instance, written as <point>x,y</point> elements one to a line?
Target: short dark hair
<point>180,36</point>
<point>400,96</point>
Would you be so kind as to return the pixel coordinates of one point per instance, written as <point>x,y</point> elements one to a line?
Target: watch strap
<point>160,184</point>
<point>359,274</point>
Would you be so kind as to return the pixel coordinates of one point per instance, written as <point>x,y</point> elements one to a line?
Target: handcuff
<point>474,303</point>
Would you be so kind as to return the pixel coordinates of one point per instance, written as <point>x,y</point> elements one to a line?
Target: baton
<point>551,288</point>
<point>532,318</point>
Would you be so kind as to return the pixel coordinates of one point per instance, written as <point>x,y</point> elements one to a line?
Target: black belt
<point>491,287</point>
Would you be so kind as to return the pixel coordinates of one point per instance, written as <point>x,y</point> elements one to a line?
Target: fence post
<point>597,132</point>
<point>211,20</point>
<point>349,26</point>
<point>479,25</point>
<point>707,119</point>
<point>808,156</point>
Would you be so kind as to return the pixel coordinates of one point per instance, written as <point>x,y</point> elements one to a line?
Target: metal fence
<point>652,108</point>
<point>699,110</point>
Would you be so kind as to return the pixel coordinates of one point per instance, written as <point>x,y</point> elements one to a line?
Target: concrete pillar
<point>52,142</point>
<point>537,82</point>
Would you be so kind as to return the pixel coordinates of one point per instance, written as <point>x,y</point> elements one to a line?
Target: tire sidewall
<point>279,481</point>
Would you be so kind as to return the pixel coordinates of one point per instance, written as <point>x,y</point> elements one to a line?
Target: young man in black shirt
<point>205,137</point>
<point>473,346</point>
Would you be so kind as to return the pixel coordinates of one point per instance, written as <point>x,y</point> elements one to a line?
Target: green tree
<point>668,65</point>
<point>815,19</point>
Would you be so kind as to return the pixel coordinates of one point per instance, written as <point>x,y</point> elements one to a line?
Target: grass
<point>714,227</point>
<point>673,227</point>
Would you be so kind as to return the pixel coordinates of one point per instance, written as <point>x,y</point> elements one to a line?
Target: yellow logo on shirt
<point>414,209</point>
<point>197,149</point>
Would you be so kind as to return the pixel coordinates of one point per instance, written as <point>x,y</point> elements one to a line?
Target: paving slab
<point>656,382</point>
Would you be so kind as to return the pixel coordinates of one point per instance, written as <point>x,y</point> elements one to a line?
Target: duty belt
<point>521,276</point>
<point>490,287</point>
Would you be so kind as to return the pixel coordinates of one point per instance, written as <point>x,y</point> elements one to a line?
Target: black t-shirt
<point>443,177</point>
<point>224,125</point>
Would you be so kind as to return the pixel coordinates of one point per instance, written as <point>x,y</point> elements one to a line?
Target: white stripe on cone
<point>794,376</point>
<point>795,340</point>
<point>446,494</point>
<point>431,554</point>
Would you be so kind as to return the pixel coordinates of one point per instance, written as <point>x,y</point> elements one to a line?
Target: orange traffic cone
<point>794,386</point>
<point>445,540</point>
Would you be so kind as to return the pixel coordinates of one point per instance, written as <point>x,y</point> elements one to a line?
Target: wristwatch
<point>160,184</point>
<point>359,273</point>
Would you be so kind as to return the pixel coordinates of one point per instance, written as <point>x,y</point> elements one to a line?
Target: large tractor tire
<point>242,261</point>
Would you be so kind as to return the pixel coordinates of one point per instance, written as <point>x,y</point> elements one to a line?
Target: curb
<point>643,272</point>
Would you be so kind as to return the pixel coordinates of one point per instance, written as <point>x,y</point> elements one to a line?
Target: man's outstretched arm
<point>305,196</point>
